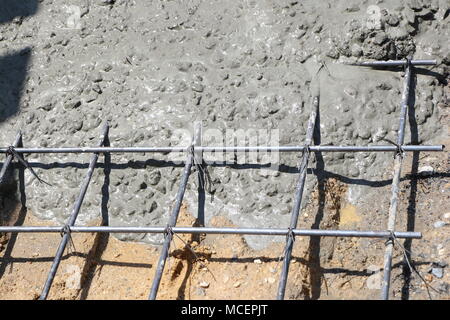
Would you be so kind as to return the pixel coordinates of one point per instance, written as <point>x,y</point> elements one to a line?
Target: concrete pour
<point>152,68</point>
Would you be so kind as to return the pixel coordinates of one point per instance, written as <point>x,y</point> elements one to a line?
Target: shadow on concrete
<point>13,67</point>
<point>13,72</point>
<point>10,9</point>
<point>283,168</point>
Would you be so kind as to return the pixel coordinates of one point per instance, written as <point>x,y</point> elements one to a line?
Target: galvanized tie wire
<point>393,238</point>
<point>66,233</point>
<point>169,229</point>
<point>66,230</point>
<point>298,200</point>
<point>398,161</point>
<point>400,150</point>
<point>12,153</point>
<point>10,156</point>
<point>168,236</point>
<point>206,183</point>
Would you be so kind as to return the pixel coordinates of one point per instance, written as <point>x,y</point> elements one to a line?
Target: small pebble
<point>237,284</point>
<point>354,172</point>
<point>257,261</point>
<point>204,284</point>
<point>183,66</point>
<point>270,280</point>
<point>439,224</point>
<point>437,272</point>
<point>197,87</point>
<point>380,38</point>
<point>200,292</point>
<point>426,170</point>
<point>392,20</point>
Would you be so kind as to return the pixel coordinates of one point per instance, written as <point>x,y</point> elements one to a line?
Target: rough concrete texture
<point>152,67</point>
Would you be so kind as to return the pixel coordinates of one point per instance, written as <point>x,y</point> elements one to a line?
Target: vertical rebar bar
<point>9,157</point>
<point>298,199</point>
<point>172,221</point>
<point>201,176</point>
<point>73,217</point>
<point>395,183</point>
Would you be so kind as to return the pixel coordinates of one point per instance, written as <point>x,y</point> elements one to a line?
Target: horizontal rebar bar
<point>393,63</point>
<point>376,148</point>
<point>207,230</point>
<point>10,157</point>
<point>73,216</point>
<point>385,148</point>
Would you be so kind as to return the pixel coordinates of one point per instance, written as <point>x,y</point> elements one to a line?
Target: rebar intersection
<point>195,156</point>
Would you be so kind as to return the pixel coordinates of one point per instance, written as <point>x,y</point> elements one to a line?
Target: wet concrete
<point>151,68</point>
